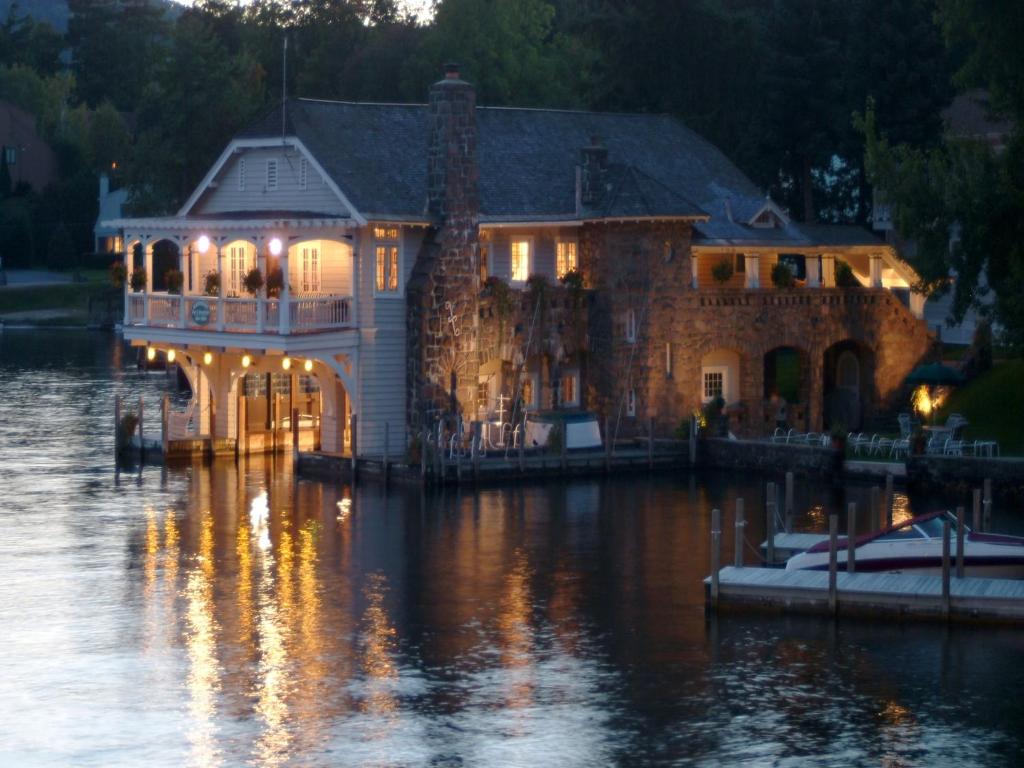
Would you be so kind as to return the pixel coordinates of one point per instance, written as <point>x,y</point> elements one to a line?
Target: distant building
<point>108,239</point>
<point>29,159</point>
<point>445,262</point>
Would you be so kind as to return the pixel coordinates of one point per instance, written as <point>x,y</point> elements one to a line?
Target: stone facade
<point>442,359</point>
<point>639,335</point>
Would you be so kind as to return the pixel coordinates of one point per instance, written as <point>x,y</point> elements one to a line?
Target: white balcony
<point>303,314</point>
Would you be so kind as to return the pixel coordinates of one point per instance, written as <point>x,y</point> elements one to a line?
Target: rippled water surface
<point>230,615</point>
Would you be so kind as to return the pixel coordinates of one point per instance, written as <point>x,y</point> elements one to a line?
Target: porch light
<point>275,246</point>
<point>207,358</point>
<point>203,243</point>
<point>151,353</point>
<point>170,355</point>
<point>308,365</point>
<point>286,363</point>
<point>246,361</point>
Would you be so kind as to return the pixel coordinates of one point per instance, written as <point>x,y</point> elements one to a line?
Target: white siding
<point>382,352</point>
<point>230,195</point>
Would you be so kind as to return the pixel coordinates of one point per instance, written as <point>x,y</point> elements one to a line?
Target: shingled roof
<point>657,167</point>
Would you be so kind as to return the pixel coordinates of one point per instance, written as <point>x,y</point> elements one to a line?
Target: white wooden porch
<point>303,314</point>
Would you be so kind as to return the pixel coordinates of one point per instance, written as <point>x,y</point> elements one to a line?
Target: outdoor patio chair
<point>953,448</point>
<point>987,448</point>
<point>812,437</point>
<point>861,440</point>
<point>906,427</point>
<point>882,446</point>
<point>900,448</point>
<point>778,434</point>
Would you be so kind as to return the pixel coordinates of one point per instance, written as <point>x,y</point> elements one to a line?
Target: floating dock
<point>894,595</point>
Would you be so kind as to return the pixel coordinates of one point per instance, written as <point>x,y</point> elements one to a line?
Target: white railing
<point>319,312</point>
<point>238,315</point>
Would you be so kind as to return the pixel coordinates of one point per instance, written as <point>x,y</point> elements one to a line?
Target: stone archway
<point>848,377</point>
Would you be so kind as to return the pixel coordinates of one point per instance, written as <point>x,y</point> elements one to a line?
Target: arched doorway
<point>165,259</point>
<point>848,376</point>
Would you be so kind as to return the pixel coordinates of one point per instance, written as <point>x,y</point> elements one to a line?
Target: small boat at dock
<point>915,546</point>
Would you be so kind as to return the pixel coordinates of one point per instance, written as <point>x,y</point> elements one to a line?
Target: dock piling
<point>563,448</point>
<point>887,520</point>
<point>693,441</point>
<point>387,441</point>
<point>117,424</point>
<point>876,512</point>
<point>770,528</point>
<point>741,524</point>
<point>295,438</point>
<point>945,567</point>
<point>976,510</point>
<point>474,448</point>
<point>716,545</point>
<point>142,439</point>
<point>851,537</point>
<point>522,441</point>
<point>959,542</point>
<point>833,565</point>
<point>607,445</point>
<point>986,522</point>
<point>423,456</point>
<point>789,502</point>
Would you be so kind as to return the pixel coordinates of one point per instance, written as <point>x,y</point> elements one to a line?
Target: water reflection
<point>229,615</point>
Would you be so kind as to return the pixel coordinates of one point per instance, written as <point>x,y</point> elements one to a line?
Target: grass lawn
<point>73,297</point>
<point>994,405</point>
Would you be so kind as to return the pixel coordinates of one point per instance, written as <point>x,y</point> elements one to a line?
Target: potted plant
<point>211,283</point>
<point>138,280</point>
<point>174,280</point>
<point>572,280</point>
<point>275,282</point>
<point>253,281</point>
<point>118,274</point>
<point>722,271</point>
<point>782,276</point>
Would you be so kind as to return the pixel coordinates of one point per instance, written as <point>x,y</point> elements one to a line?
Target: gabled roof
<point>377,154</point>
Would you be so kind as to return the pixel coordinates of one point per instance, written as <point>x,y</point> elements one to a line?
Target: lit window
<point>484,253</point>
<point>631,402</point>
<point>388,266</point>
<point>241,175</point>
<point>520,260</point>
<point>271,175</point>
<point>714,384</point>
<point>631,326</point>
<point>570,389</point>
<point>528,392</point>
<point>565,257</point>
<point>310,270</point>
<point>303,173</point>
<point>239,266</point>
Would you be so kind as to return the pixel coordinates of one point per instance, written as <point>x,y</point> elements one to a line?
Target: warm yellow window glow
<point>393,270</point>
<point>385,233</point>
<point>565,257</point>
<point>387,268</point>
<point>520,260</point>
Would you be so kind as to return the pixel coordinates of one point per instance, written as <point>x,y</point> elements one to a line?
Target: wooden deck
<point>869,594</point>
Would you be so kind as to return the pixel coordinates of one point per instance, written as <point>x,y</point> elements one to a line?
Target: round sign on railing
<point>201,313</point>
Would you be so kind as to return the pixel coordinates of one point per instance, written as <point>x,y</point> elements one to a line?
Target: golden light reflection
<point>152,550</point>
<point>272,685</point>
<point>899,731</point>
<point>379,640</point>
<point>516,634</point>
<point>901,508</point>
<point>201,645</point>
<point>818,516</point>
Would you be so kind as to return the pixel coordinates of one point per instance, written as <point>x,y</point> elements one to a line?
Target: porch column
<point>220,288</point>
<point>917,301</point>
<point>752,267</point>
<point>284,305</point>
<point>261,306</point>
<point>129,267</point>
<point>828,270</point>
<point>694,266</point>
<point>813,268</point>
<point>875,262</point>
<point>147,255</point>
<point>184,283</point>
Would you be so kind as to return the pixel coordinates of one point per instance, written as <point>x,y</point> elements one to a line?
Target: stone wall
<point>960,475</point>
<point>764,456</point>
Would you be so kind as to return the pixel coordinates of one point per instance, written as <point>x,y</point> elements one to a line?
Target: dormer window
<point>769,216</point>
<point>765,220</point>
<point>271,175</point>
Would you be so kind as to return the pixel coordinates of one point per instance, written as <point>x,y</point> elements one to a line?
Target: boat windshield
<point>905,533</point>
<point>932,528</point>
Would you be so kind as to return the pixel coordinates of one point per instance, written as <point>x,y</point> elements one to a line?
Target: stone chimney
<point>593,172</point>
<point>442,293</point>
<point>104,187</point>
<point>452,171</point>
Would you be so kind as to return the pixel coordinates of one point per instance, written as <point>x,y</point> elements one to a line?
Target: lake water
<point>233,615</point>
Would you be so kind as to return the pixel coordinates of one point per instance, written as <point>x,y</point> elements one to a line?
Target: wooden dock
<point>869,594</point>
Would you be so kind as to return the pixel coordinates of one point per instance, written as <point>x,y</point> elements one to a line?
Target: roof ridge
<point>361,103</point>
<point>556,110</point>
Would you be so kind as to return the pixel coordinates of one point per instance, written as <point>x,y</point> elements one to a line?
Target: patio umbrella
<point>935,374</point>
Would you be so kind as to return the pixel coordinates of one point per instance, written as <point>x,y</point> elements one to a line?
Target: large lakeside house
<point>418,251</point>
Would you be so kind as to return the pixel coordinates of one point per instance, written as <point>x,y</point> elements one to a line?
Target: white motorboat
<point>916,545</point>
